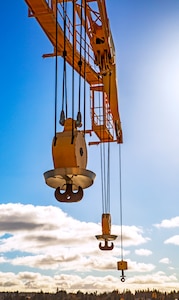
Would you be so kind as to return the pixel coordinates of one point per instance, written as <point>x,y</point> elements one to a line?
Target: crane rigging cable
<point>108,180</point>
<point>105,153</point>
<point>108,177</point>
<point>64,114</point>
<point>84,77</point>
<point>69,148</point>
<point>64,82</point>
<point>122,264</point>
<point>73,71</point>
<point>105,207</point>
<point>106,235</point>
<point>120,199</point>
<point>56,74</point>
<point>102,161</point>
<point>103,177</point>
<point>78,119</point>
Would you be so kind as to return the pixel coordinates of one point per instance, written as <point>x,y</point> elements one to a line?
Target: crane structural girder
<point>98,54</point>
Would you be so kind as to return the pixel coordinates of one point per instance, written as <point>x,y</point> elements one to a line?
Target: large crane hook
<point>69,195</point>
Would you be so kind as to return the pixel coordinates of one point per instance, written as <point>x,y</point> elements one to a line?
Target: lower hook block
<point>106,235</point>
<point>69,195</point>
<point>122,276</point>
<point>122,265</point>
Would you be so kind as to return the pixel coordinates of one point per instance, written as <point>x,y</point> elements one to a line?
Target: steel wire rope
<point>108,158</point>
<point>84,92</point>
<point>120,199</point>
<point>80,70</point>
<point>102,179</point>
<point>100,121</point>
<point>64,86</point>
<point>56,73</point>
<point>73,71</point>
<point>102,159</point>
<point>104,176</point>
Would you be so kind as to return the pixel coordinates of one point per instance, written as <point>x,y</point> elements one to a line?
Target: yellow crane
<point>85,42</point>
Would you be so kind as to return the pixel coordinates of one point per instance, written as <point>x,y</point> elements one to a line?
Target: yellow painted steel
<point>70,150</point>
<point>122,265</point>
<point>106,224</point>
<point>106,229</point>
<point>100,52</point>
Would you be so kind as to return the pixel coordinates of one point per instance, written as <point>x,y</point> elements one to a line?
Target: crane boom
<point>99,58</point>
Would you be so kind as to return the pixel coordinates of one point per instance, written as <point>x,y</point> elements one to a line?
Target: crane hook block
<point>70,149</point>
<point>69,195</point>
<point>122,265</point>
<point>106,235</point>
<point>69,154</point>
<point>106,224</point>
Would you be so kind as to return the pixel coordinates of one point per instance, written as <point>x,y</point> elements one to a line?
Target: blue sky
<point>42,240</point>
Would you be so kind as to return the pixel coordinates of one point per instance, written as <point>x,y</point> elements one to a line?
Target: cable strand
<point>56,76</point>
<point>73,72</point>
<point>121,213</point>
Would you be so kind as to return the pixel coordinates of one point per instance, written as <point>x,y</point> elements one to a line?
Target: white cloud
<point>160,280</point>
<point>170,223</point>
<point>140,267</point>
<point>173,240</point>
<point>143,252</point>
<point>31,281</point>
<point>47,238</point>
<point>164,260</point>
<point>132,235</point>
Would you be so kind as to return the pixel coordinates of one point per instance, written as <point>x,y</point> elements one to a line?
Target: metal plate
<point>77,176</point>
<point>106,237</point>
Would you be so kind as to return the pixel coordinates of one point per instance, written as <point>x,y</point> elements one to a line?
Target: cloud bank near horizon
<point>44,240</point>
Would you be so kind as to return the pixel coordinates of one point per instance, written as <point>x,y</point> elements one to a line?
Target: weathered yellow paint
<point>122,265</point>
<point>69,151</point>
<point>106,224</point>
